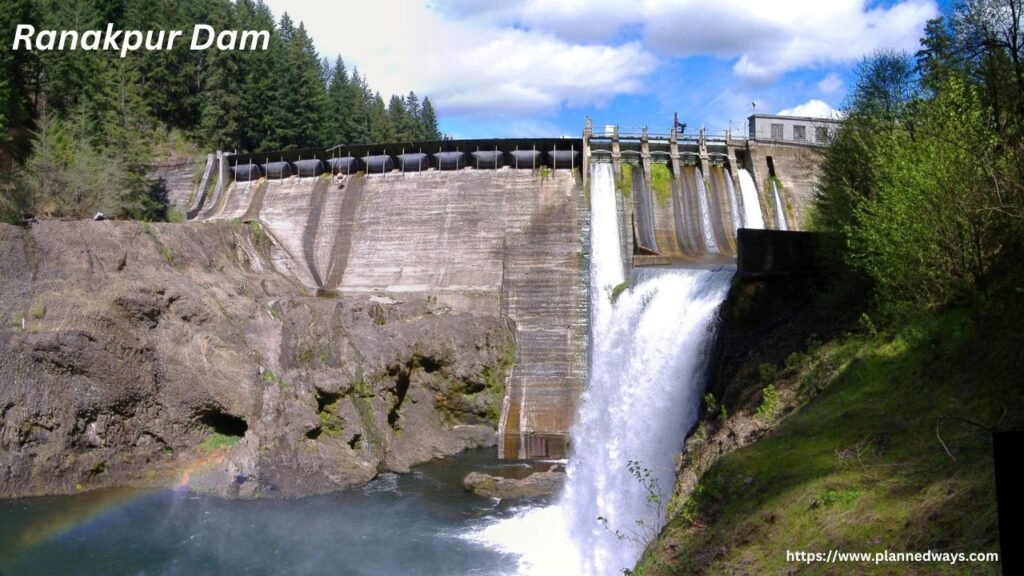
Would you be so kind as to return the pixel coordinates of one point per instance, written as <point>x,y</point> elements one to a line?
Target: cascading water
<point>710,245</point>
<point>737,217</point>
<point>648,364</point>
<point>752,217</point>
<point>780,214</point>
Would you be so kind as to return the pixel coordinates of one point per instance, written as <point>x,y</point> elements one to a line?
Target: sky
<point>540,67</point>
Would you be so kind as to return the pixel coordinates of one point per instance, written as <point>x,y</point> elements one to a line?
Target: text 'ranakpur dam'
<point>500,227</point>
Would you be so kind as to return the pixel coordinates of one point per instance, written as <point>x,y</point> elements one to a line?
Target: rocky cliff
<point>138,354</point>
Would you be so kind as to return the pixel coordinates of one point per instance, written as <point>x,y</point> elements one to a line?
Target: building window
<point>776,131</point>
<point>799,133</point>
<point>821,134</point>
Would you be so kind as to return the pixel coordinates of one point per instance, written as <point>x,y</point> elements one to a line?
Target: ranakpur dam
<point>501,227</point>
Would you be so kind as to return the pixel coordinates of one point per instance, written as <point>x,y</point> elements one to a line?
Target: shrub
<point>769,403</point>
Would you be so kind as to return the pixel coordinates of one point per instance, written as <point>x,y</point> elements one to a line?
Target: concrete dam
<point>501,228</point>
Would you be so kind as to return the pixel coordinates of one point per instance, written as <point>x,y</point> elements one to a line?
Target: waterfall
<point>737,218</point>
<point>752,217</point>
<point>780,214</point>
<point>705,215</point>
<point>648,365</point>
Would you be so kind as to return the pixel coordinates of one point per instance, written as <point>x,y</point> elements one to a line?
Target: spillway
<point>649,352</point>
<point>780,212</point>
<point>752,216</point>
<point>734,207</point>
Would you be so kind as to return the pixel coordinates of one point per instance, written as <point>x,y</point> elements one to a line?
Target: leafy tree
<point>926,234</point>
<point>877,107</point>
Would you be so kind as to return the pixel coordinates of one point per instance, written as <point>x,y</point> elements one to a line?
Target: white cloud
<point>533,58</point>
<point>766,38</point>
<point>805,34</point>
<point>470,66</point>
<point>812,109</point>
<point>830,84</point>
<point>586,21</point>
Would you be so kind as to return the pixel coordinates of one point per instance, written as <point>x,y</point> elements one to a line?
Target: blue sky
<point>539,67</point>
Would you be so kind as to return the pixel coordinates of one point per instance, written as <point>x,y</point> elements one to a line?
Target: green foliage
<point>166,253</point>
<point>82,126</point>
<point>843,498</point>
<point>260,239</point>
<point>331,425</point>
<point>644,531</point>
<point>925,234</point>
<point>867,324</point>
<point>862,464</point>
<point>37,310</point>
<point>495,378</point>
<point>793,361</point>
<point>216,441</point>
<point>175,215</point>
<point>710,403</point>
<point>767,372</point>
<point>618,290</point>
<point>268,377</point>
<point>923,187</point>
<point>769,403</point>
<point>624,183</point>
<point>428,121</point>
<point>661,183</point>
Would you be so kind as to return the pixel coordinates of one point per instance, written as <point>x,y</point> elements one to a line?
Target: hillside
<point>834,434</point>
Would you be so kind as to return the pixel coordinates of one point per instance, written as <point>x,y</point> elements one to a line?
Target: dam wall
<point>797,169</point>
<point>688,193</point>
<point>500,228</point>
<point>173,182</point>
<point>493,242</point>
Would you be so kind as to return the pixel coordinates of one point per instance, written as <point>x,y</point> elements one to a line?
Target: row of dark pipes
<point>409,162</point>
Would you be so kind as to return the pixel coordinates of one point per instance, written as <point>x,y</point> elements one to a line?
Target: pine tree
<point>412,109</point>
<point>400,121</point>
<point>80,126</point>
<point>381,129</point>
<point>301,95</point>
<point>428,121</point>
<point>339,105</point>
<point>169,77</point>
<point>358,125</point>
<point>18,69</point>
<point>935,62</point>
<point>258,70</point>
<point>223,102</point>
<point>69,76</point>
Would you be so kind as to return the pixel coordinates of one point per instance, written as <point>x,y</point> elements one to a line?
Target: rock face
<point>536,485</point>
<point>136,354</point>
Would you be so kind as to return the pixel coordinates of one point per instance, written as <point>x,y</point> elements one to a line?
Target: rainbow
<point>90,505</point>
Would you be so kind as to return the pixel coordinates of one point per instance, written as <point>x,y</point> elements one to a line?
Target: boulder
<point>536,485</point>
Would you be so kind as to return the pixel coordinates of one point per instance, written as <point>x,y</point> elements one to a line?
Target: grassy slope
<point>851,458</point>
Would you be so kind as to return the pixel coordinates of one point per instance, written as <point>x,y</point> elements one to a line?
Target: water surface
<point>415,523</point>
